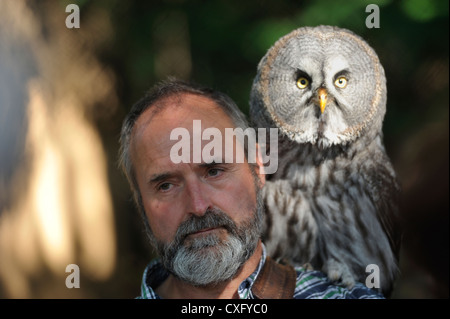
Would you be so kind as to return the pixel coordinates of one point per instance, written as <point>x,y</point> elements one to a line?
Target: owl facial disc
<point>321,85</point>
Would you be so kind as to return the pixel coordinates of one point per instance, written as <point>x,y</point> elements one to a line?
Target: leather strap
<point>275,281</point>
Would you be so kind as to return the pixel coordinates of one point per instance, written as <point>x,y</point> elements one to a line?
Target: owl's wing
<point>386,202</point>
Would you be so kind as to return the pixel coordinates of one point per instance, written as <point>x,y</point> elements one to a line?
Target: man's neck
<point>174,288</point>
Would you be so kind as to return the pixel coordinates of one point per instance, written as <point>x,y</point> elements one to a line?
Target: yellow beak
<point>323,96</point>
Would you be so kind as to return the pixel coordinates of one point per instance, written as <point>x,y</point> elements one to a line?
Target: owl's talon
<point>340,273</point>
<point>308,266</point>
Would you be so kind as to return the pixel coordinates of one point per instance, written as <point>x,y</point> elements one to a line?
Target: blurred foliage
<point>423,11</point>
<point>219,43</point>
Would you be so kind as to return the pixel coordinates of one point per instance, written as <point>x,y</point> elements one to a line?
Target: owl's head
<point>321,85</point>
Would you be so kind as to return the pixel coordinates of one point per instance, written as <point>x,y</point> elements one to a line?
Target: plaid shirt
<point>310,284</point>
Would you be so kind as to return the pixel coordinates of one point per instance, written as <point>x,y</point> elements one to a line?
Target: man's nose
<point>198,200</point>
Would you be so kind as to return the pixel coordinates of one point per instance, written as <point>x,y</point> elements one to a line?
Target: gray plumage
<point>332,203</point>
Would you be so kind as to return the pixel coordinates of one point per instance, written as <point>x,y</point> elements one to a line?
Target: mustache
<point>213,218</point>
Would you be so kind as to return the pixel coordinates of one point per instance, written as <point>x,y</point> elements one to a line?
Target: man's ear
<point>260,166</point>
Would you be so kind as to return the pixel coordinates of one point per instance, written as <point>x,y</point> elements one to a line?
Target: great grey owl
<point>332,203</point>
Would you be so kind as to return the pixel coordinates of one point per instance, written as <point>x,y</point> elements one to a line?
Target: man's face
<point>199,213</point>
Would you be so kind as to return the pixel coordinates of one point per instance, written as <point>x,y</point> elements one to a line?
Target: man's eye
<point>214,172</point>
<point>165,187</point>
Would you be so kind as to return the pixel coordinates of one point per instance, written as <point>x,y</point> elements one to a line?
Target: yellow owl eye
<point>341,82</point>
<point>302,82</point>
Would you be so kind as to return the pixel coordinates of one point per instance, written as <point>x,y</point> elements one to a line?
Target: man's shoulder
<point>154,275</point>
<point>313,284</point>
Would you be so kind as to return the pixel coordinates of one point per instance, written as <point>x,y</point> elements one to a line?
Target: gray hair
<point>165,89</point>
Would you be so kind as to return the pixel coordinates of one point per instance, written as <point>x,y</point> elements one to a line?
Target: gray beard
<point>208,260</point>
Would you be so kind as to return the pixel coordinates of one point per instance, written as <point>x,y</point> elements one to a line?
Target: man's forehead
<point>151,134</point>
<point>179,107</point>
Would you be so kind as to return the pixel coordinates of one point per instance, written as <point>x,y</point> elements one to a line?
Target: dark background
<point>219,44</point>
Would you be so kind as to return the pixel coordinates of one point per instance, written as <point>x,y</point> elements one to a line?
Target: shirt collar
<point>245,287</point>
